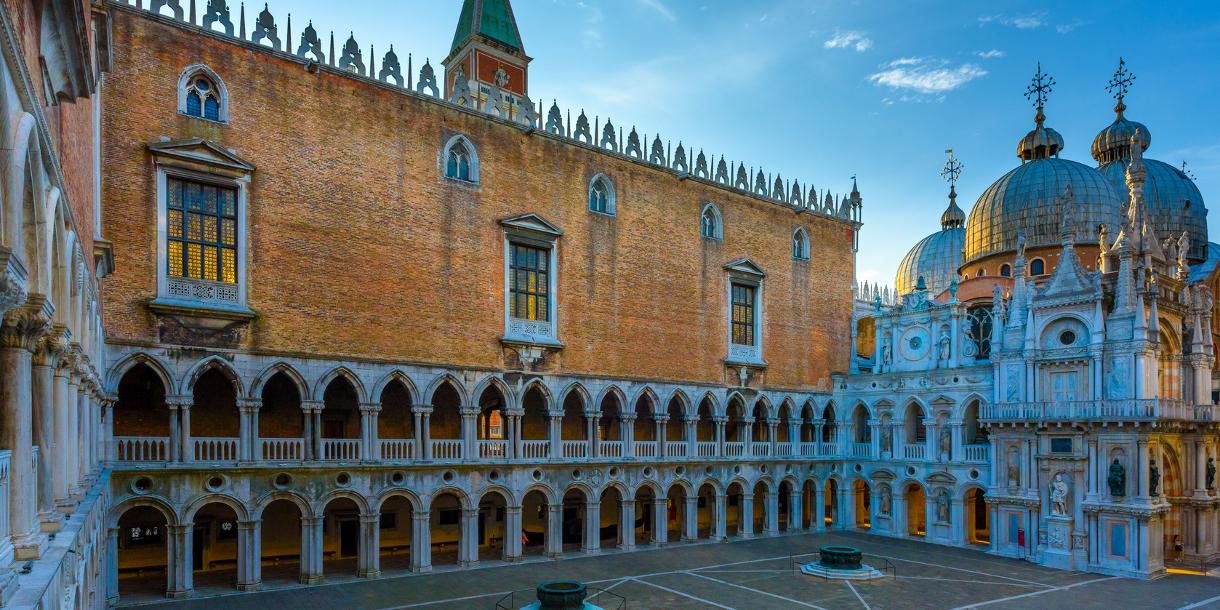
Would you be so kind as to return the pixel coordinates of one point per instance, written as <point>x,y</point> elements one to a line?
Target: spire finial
<point>1119,84</point>
<point>953,217</point>
<point>1040,87</point>
<point>953,168</point>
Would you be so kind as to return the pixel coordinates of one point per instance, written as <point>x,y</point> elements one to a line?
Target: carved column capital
<point>311,406</point>
<point>52,346</point>
<point>370,407</point>
<point>12,281</point>
<point>23,327</point>
<point>249,404</point>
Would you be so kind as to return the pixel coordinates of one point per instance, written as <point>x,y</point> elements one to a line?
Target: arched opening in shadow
<point>340,536</point>
<point>645,498</point>
<point>675,513</point>
<point>143,558</point>
<point>760,507</point>
<point>396,424</point>
<point>732,512</point>
<point>916,505</point>
<point>612,518</point>
<point>645,427</point>
<point>214,546</point>
<point>534,524</point>
<point>978,522</point>
<point>862,497</point>
<point>281,423</point>
<point>445,528</point>
<point>706,513</point>
<point>830,498</point>
<point>141,419</point>
<point>397,515</point>
<point>830,426</point>
<point>573,428</point>
<point>573,524</point>
<point>809,495</point>
<point>535,425</point>
<point>281,542</point>
<point>215,421</point>
<point>340,422</point>
<point>610,427</point>
<point>445,428</point>
<point>786,521</point>
<point>493,521</point>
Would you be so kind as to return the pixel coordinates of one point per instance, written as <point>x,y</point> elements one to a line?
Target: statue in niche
<point>1014,471</point>
<point>942,506</point>
<point>886,438</point>
<point>1059,496</point>
<point>946,442</point>
<point>887,499</point>
<point>944,347</point>
<point>1154,478</point>
<point>1117,479</point>
<point>886,352</point>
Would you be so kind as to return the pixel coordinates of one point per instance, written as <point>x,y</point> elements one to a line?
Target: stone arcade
<point>486,331</point>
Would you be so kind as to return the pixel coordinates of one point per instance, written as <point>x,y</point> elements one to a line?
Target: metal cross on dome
<point>1121,81</point>
<point>953,168</point>
<point>1040,86</point>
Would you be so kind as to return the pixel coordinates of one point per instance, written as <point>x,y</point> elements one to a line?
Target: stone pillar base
<point>591,551</point>
<point>311,580</point>
<point>250,586</point>
<point>626,547</point>
<point>29,547</point>
<point>65,505</point>
<point>552,554</point>
<point>685,538</point>
<point>515,559</point>
<point>368,574</point>
<point>50,522</point>
<point>178,593</point>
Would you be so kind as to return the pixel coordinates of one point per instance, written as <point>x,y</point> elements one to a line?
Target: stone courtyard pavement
<point>744,575</point>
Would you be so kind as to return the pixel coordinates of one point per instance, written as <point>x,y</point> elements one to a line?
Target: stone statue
<point>1154,478</point>
<point>1211,473</point>
<point>886,355</point>
<point>1014,472</point>
<point>944,347</point>
<point>946,442</point>
<point>887,499</point>
<point>1020,245</point>
<point>942,506</point>
<point>1117,479</point>
<point>886,438</point>
<point>1059,496</point>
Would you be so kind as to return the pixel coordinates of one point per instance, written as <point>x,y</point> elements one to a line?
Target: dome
<point>1174,202</point>
<point>1026,199</point>
<point>1039,143</point>
<point>1114,142</point>
<point>935,258</point>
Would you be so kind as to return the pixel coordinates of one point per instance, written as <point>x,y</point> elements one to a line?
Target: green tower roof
<point>490,18</point>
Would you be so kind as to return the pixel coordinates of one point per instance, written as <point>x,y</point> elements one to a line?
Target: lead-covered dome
<point>937,257</point>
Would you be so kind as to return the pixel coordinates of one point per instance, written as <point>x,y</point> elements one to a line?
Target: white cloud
<point>1068,27</point>
<point>927,76</point>
<point>849,40</point>
<point>1022,22</point>
<point>659,8</point>
<point>991,54</point>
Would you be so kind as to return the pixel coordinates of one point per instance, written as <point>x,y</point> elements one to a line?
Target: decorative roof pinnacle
<point>1118,86</point>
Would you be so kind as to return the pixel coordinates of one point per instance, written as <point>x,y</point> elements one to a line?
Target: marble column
<point>468,548</point>
<point>592,540</point>
<point>307,434</point>
<point>819,509</point>
<point>424,450</point>
<point>251,444</point>
<point>112,567</point>
<point>720,422</point>
<point>554,531</point>
<point>591,434</point>
<point>311,550</point>
<point>179,569</point>
<point>417,414</point>
<point>512,533</point>
<point>746,512</point>
<point>720,518</point>
<point>660,522</point>
<point>771,516</point>
<point>71,464</point>
<point>43,368</point>
<point>690,523</point>
<point>249,555</point>
<point>421,540</point>
<point>555,434</point>
<point>627,525</point>
<point>627,428</point>
<point>63,436</point>
<point>20,332</point>
<point>796,514</point>
<point>187,450</point>
<point>368,563</point>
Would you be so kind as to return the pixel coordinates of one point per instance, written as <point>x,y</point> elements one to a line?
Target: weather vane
<point>1121,82</point>
<point>1189,174</point>
<point>953,168</point>
<point>1039,87</point>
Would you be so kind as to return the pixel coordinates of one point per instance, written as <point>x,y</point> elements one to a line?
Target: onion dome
<point>1026,199</point>
<point>1174,202</point>
<point>934,261</point>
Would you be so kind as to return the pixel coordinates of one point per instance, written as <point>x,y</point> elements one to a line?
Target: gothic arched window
<point>1037,267</point>
<point>709,223</point>
<point>461,162</point>
<point>601,195</point>
<point>201,94</point>
<point>800,245</point>
<point>1005,270</point>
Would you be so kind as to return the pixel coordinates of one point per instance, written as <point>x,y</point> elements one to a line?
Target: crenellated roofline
<point>730,176</point>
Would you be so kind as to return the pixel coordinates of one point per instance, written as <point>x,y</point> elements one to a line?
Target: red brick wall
<point>359,248</point>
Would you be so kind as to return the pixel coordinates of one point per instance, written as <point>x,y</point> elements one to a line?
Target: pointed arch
<point>547,396</point>
<point>765,403</point>
<point>800,244</point>
<point>491,381</point>
<point>651,395</point>
<point>298,380</point>
<point>460,159</point>
<point>688,408</point>
<point>710,224</point>
<point>710,397</point>
<point>616,392</point>
<point>213,362</point>
<point>601,195</point>
<point>319,388</point>
<point>583,395</point>
<point>453,382</point>
<point>131,361</point>
<point>217,94</point>
<point>399,376</point>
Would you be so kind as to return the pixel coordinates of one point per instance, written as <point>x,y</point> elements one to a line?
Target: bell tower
<point>487,55</point>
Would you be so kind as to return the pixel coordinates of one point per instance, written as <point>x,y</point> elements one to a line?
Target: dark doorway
<point>349,538</point>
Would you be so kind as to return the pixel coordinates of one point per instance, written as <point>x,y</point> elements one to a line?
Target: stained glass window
<point>528,283</point>
<point>743,314</point>
<point>201,223</point>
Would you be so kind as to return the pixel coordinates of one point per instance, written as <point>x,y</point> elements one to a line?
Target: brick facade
<point>361,249</point>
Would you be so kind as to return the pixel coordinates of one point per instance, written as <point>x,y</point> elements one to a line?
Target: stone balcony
<point>1131,410</point>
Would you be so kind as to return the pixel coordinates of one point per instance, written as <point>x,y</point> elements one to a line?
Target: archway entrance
<point>611,530</point>
<point>675,513</point>
<point>573,524</point>
<point>916,507</point>
<point>706,511</point>
<point>397,515</point>
<point>445,529</point>
<point>645,499</point>
<point>830,501</point>
<point>978,525</point>
<point>143,558</point>
<point>809,495</point>
<point>214,546</point>
<point>760,507</point>
<point>341,535</point>
<point>862,497</point>
<point>787,521</point>
<point>493,511</point>
<point>281,542</point>
<point>533,524</point>
<point>732,512</point>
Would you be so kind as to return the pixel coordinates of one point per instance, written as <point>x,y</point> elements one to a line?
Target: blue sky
<point>820,91</point>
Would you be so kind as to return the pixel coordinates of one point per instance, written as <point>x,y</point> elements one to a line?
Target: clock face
<point>914,344</point>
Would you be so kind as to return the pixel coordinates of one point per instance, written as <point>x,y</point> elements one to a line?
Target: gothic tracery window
<point>601,196</point>
<point>979,332</point>
<point>458,162</point>
<point>709,223</point>
<point>800,245</point>
<point>201,94</point>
